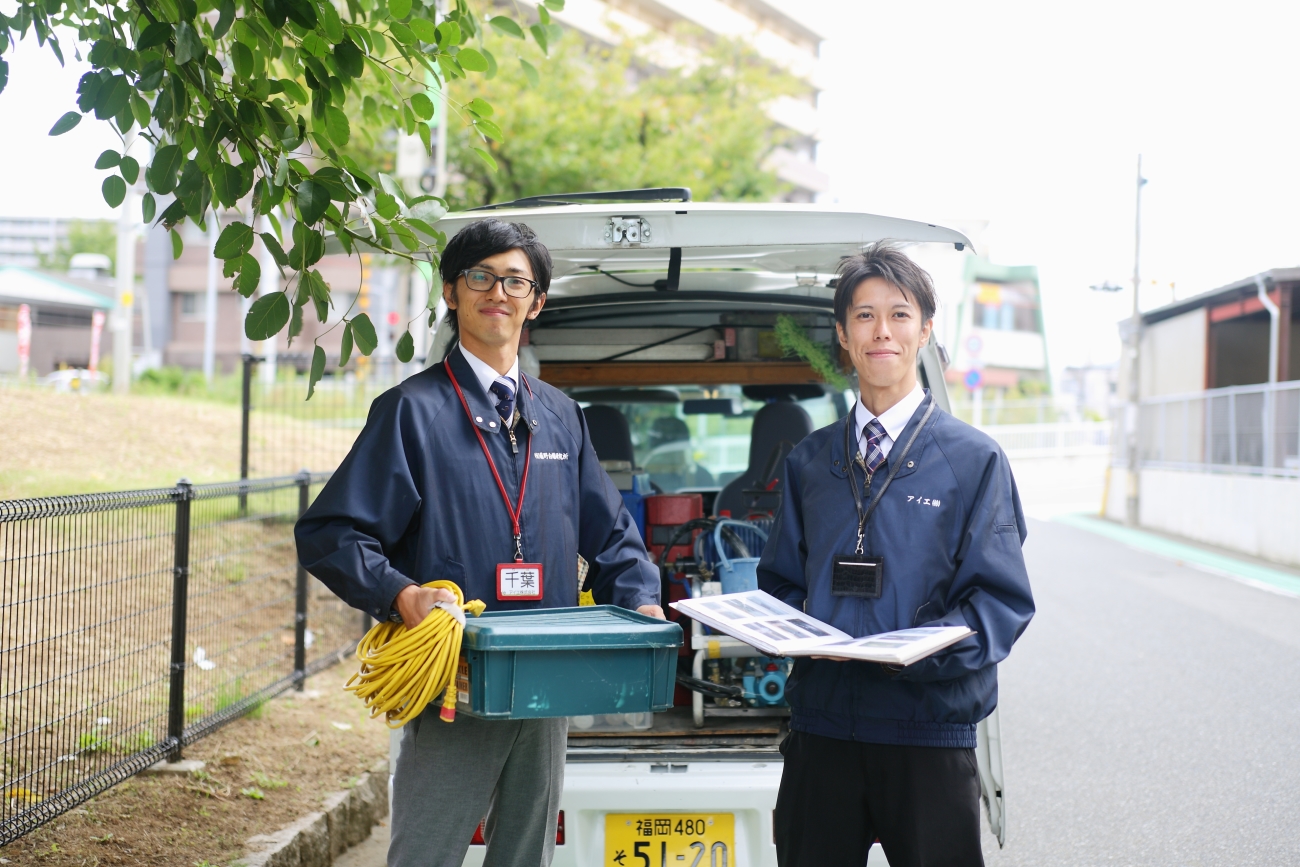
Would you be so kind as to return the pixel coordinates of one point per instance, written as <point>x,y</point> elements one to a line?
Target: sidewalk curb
<point>345,819</point>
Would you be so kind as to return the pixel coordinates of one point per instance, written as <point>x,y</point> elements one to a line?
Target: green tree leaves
<point>422,106</point>
<point>405,349</point>
<point>242,58</point>
<point>267,317</point>
<point>161,174</point>
<point>336,124</point>
<point>312,199</point>
<point>330,22</point>
<point>65,123</point>
<point>237,99</point>
<point>231,183</point>
<point>363,332</point>
<point>235,240</point>
<point>507,26</point>
<point>472,60</point>
<point>114,190</point>
<point>345,345</point>
<point>308,247</point>
<point>317,370</point>
<point>188,44</point>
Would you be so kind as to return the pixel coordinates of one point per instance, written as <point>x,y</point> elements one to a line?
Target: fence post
<point>300,597</point>
<point>1232,428</point>
<point>246,404</point>
<point>1267,424</point>
<point>180,598</point>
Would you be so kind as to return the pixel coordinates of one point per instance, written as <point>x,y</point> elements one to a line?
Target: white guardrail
<point>1054,440</point>
<point>1249,429</point>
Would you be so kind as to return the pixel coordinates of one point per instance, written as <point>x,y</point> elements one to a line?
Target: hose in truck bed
<point>709,688</point>
<point>403,670</point>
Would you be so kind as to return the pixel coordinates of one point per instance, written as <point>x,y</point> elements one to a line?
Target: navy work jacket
<point>414,501</point>
<point>949,529</point>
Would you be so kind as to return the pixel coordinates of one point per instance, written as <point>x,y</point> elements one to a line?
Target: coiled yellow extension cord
<point>402,669</point>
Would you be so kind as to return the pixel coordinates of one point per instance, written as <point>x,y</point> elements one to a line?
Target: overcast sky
<point>1031,116</point>
<point>1028,115</point>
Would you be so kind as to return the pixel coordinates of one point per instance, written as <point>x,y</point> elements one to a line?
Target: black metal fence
<point>281,430</point>
<point>135,623</point>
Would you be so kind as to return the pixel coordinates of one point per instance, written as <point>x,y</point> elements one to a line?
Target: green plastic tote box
<point>557,662</point>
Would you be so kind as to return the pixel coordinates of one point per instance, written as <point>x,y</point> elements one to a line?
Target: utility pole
<point>1135,370</point>
<point>210,301</point>
<point>123,322</point>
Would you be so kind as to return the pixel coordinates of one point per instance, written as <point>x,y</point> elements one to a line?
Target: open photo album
<point>768,624</point>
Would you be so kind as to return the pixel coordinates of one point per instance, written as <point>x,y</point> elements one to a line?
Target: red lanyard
<point>516,512</point>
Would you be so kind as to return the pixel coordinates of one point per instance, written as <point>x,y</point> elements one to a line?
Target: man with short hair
<point>462,468</point>
<point>898,516</point>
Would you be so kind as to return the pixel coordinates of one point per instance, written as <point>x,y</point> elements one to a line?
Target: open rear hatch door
<point>804,241</point>
<point>641,289</point>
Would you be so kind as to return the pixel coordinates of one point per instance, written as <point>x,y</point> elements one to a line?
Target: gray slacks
<point>450,776</point>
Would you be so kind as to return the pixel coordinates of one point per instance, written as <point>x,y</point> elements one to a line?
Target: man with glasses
<point>461,469</point>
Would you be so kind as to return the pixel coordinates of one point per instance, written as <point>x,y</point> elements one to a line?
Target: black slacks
<point>837,797</point>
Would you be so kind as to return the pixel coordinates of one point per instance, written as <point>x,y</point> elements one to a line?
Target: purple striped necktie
<point>874,431</point>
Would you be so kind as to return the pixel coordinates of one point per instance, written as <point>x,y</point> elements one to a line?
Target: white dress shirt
<point>893,420</point>
<point>487,374</point>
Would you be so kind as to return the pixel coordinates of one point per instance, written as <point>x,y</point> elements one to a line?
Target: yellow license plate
<point>670,839</point>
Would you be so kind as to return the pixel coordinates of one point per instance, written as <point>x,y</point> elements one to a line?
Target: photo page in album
<point>768,624</point>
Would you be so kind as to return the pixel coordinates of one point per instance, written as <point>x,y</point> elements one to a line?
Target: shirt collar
<point>894,419</point>
<point>486,373</point>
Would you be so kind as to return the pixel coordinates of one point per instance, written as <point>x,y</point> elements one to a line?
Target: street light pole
<point>123,321</point>
<point>1135,371</point>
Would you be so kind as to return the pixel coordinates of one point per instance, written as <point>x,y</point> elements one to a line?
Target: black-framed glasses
<point>484,281</point>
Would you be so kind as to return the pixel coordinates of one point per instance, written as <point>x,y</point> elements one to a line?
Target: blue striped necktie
<point>504,390</point>
<point>874,431</point>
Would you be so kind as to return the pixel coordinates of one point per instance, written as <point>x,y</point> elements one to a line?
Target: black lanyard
<point>893,470</point>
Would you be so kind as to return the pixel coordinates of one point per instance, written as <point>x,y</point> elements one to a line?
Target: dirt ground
<point>78,443</point>
<point>263,772</point>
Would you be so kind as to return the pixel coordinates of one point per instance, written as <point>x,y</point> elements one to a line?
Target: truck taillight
<point>559,833</point>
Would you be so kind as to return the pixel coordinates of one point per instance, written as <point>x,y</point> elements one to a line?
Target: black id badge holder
<point>858,574</point>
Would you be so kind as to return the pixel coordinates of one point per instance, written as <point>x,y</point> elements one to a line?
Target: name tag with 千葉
<point>519,582</point>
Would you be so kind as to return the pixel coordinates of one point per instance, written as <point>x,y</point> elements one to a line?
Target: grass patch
<point>265,781</point>
<point>231,693</point>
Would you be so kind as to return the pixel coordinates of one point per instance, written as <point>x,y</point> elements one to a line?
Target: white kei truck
<point>665,309</point>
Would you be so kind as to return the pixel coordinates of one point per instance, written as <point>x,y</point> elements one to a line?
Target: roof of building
<point>28,286</point>
<point>979,268</point>
<point>772,14</point>
<point>1204,299</point>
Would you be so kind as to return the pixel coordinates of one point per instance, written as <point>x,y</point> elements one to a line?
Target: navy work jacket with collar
<point>415,501</point>
<point>949,529</point>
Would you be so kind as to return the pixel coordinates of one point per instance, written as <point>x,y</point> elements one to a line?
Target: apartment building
<point>24,240</point>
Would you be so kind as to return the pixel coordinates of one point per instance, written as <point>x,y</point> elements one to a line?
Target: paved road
<point>1150,714</point>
